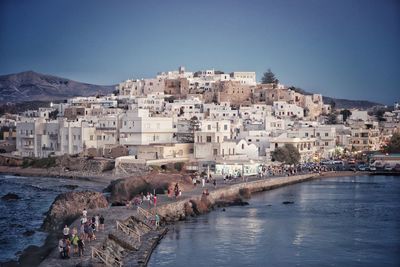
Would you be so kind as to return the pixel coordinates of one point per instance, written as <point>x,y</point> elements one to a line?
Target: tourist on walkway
<point>101,220</point>
<point>74,231</point>
<point>91,235</point>
<point>155,200</point>
<point>81,246</point>
<point>215,183</point>
<point>157,221</point>
<point>66,232</point>
<point>74,243</point>
<point>203,182</point>
<point>97,221</point>
<point>61,247</point>
<point>84,213</point>
<point>94,223</point>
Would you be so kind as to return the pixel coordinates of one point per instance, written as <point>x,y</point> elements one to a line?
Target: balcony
<point>106,128</point>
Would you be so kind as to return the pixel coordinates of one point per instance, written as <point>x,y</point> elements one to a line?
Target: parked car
<point>388,168</point>
<point>372,168</point>
<point>363,168</point>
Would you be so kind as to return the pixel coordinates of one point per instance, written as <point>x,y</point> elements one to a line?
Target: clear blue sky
<point>347,49</point>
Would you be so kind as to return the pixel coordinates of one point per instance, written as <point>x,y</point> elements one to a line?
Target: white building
<point>138,128</point>
<point>214,140</point>
<point>284,109</point>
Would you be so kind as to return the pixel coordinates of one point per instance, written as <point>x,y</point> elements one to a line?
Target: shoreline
<point>44,251</point>
<point>103,178</point>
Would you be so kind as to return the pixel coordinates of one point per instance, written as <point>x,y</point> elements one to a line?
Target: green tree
<point>287,154</point>
<point>394,144</point>
<point>331,119</point>
<point>269,77</point>
<point>346,114</point>
<point>54,114</point>
<point>194,125</point>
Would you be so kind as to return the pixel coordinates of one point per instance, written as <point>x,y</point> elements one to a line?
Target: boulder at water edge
<point>67,207</point>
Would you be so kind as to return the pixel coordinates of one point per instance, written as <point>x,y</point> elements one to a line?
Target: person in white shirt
<point>66,231</point>
<point>84,212</point>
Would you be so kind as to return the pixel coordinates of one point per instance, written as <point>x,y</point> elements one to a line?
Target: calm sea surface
<point>27,214</point>
<point>347,221</point>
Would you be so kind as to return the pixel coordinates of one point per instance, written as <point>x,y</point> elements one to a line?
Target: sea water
<point>346,221</point>
<point>18,217</point>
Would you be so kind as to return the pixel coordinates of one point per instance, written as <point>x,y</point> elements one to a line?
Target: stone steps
<point>124,240</point>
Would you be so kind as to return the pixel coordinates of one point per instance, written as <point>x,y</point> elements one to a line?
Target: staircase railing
<point>127,230</point>
<point>147,217</point>
<point>106,258</point>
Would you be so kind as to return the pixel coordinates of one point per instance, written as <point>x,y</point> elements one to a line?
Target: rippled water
<point>347,221</point>
<point>27,213</point>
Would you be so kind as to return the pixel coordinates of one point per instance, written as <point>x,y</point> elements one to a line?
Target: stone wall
<point>181,209</point>
<point>6,160</point>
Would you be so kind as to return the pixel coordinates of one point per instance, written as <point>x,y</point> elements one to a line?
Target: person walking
<point>84,212</point>
<point>61,248</point>
<point>101,220</point>
<point>74,243</point>
<point>81,246</point>
<point>215,183</point>
<point>157,221</point>
<point>155,200</point>
<point>66,232</point>
<point>203,182</point>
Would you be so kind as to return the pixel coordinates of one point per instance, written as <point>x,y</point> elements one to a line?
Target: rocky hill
<point>30,86</point>
<point>341,103</point>
<point>348,104</point>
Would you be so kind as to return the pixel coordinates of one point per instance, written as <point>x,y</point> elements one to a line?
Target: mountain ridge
<point>33,86</point>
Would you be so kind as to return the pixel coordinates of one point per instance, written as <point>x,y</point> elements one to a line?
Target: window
<point>326,144</point>
<point>91,138</point>
<point>306,134</point>
<point>209,127</point>
<point>208,139</point>
<point>225,127</point>
<point>326,134</point>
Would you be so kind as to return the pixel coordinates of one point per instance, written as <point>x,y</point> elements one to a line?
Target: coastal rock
<point>68,206</point>
<point>10,197</point>
<point>70,186</point>
<point>28,232</point>
<point>287,202</point>
<point>123,190</point>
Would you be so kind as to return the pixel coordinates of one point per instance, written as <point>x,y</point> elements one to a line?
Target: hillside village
<point>205,119</point>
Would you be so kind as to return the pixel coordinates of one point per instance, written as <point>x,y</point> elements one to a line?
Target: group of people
<point>143,198</point>
<point>71,239</point>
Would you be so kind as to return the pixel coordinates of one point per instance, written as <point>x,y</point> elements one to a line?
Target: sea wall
<point>198,204</point>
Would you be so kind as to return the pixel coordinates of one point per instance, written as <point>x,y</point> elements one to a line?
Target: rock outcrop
<point>69,206</point>
<point>123,190</point>
<point>10,197</point>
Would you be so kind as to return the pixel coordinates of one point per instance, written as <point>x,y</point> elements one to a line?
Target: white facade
<point>283,109</point>
<point>138,128</point>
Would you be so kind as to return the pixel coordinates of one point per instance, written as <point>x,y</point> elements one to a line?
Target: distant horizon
<point>345,49</point>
